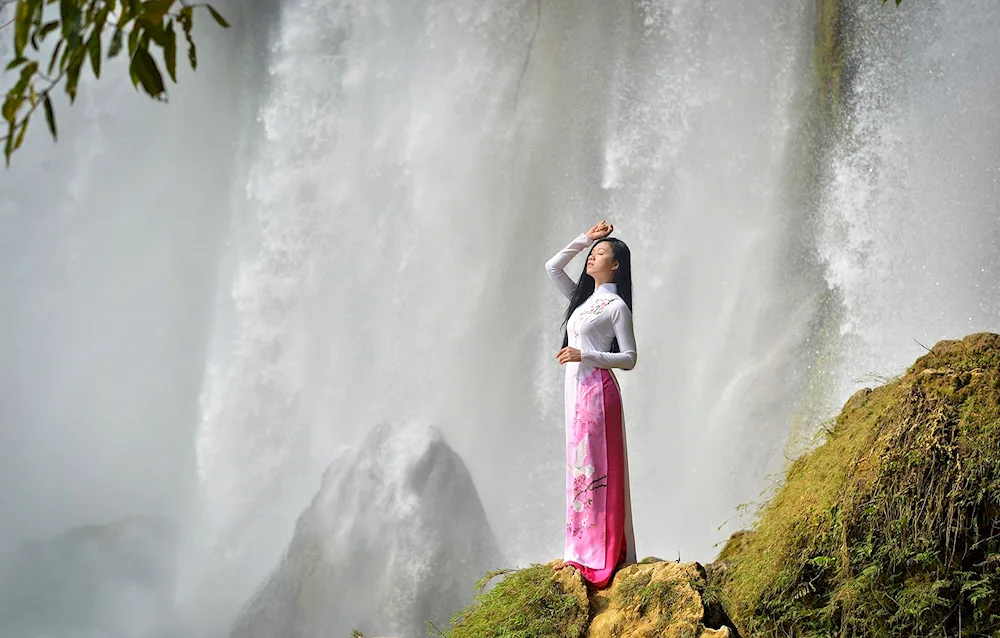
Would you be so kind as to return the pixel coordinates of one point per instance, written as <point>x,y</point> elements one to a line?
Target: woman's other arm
<point>621,320</point>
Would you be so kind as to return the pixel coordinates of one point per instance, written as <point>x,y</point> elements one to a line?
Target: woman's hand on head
<point>568,354</point>
<point>600,230</point>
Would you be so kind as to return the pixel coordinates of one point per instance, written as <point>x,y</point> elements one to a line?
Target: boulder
<point>654,600</point>
<point>396,537</point>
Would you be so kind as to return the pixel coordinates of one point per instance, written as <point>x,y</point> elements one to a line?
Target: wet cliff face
<point>396,537</point>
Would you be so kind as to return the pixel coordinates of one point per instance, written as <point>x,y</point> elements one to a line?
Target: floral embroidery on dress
<point>588,419</point>
<point>596,308</point>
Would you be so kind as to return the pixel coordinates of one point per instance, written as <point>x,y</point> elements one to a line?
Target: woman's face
<point>601,263</point>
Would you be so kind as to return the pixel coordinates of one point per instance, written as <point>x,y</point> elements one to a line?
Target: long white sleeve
<point>555,265</point>
<point>621,318</point>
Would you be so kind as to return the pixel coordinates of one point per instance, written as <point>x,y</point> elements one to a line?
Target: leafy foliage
<point>892,526</point>
<point>87,32</point>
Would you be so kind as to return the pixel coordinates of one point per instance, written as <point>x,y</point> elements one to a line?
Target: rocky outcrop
<point>396,537</point>
<point>891,527</point>
<point>650,600</point>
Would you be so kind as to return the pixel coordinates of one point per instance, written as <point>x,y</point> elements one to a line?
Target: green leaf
<point>218,18</point>
<point>11,106</point>
<point>22,22</point>
<point>101,18</point>
<point>50,116</point>
<point>16,62</point>
<point>158,34</point>
<point>125,17</point>
<point>133,40</point>
<point>94,49</point>
<point>149,76</point>
<point>35,12</point>
<point>42,32</point>
<point>26,74</point>
<point>8,147</point>
<point>48,28</point>
<point>170,51</point>
<point>69,13</point>
<point>73,78</point>
<point>154,10</point>
<point>115,47</point>
<point>64,58</point>
<point>55,55</point>
<point>20,136</point>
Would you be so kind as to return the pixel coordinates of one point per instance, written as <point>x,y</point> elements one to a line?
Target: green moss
<point>527,603</point>
<point>892,526</point>
<point>828,57</point>
<point>644,595</point>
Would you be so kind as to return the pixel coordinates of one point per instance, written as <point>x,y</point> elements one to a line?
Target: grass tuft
<point>526,603</point>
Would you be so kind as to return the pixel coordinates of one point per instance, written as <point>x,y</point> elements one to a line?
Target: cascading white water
<point>395,175</point>
<point>910,225</point>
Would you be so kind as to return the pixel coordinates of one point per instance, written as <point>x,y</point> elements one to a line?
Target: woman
<point>598,337</point>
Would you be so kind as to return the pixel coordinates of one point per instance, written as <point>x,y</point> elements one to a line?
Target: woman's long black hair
<point>585,287</point>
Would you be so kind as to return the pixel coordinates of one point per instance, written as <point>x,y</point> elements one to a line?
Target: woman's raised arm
<point>555,265</point>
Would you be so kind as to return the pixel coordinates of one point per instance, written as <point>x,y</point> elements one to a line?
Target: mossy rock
<point>654,600</point>
<point>648,600</point>
<point>891,527</point>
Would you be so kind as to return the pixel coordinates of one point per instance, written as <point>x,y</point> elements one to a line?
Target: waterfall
<point>419,164</point>
<point>341,220</point>
<point>909,225</point>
